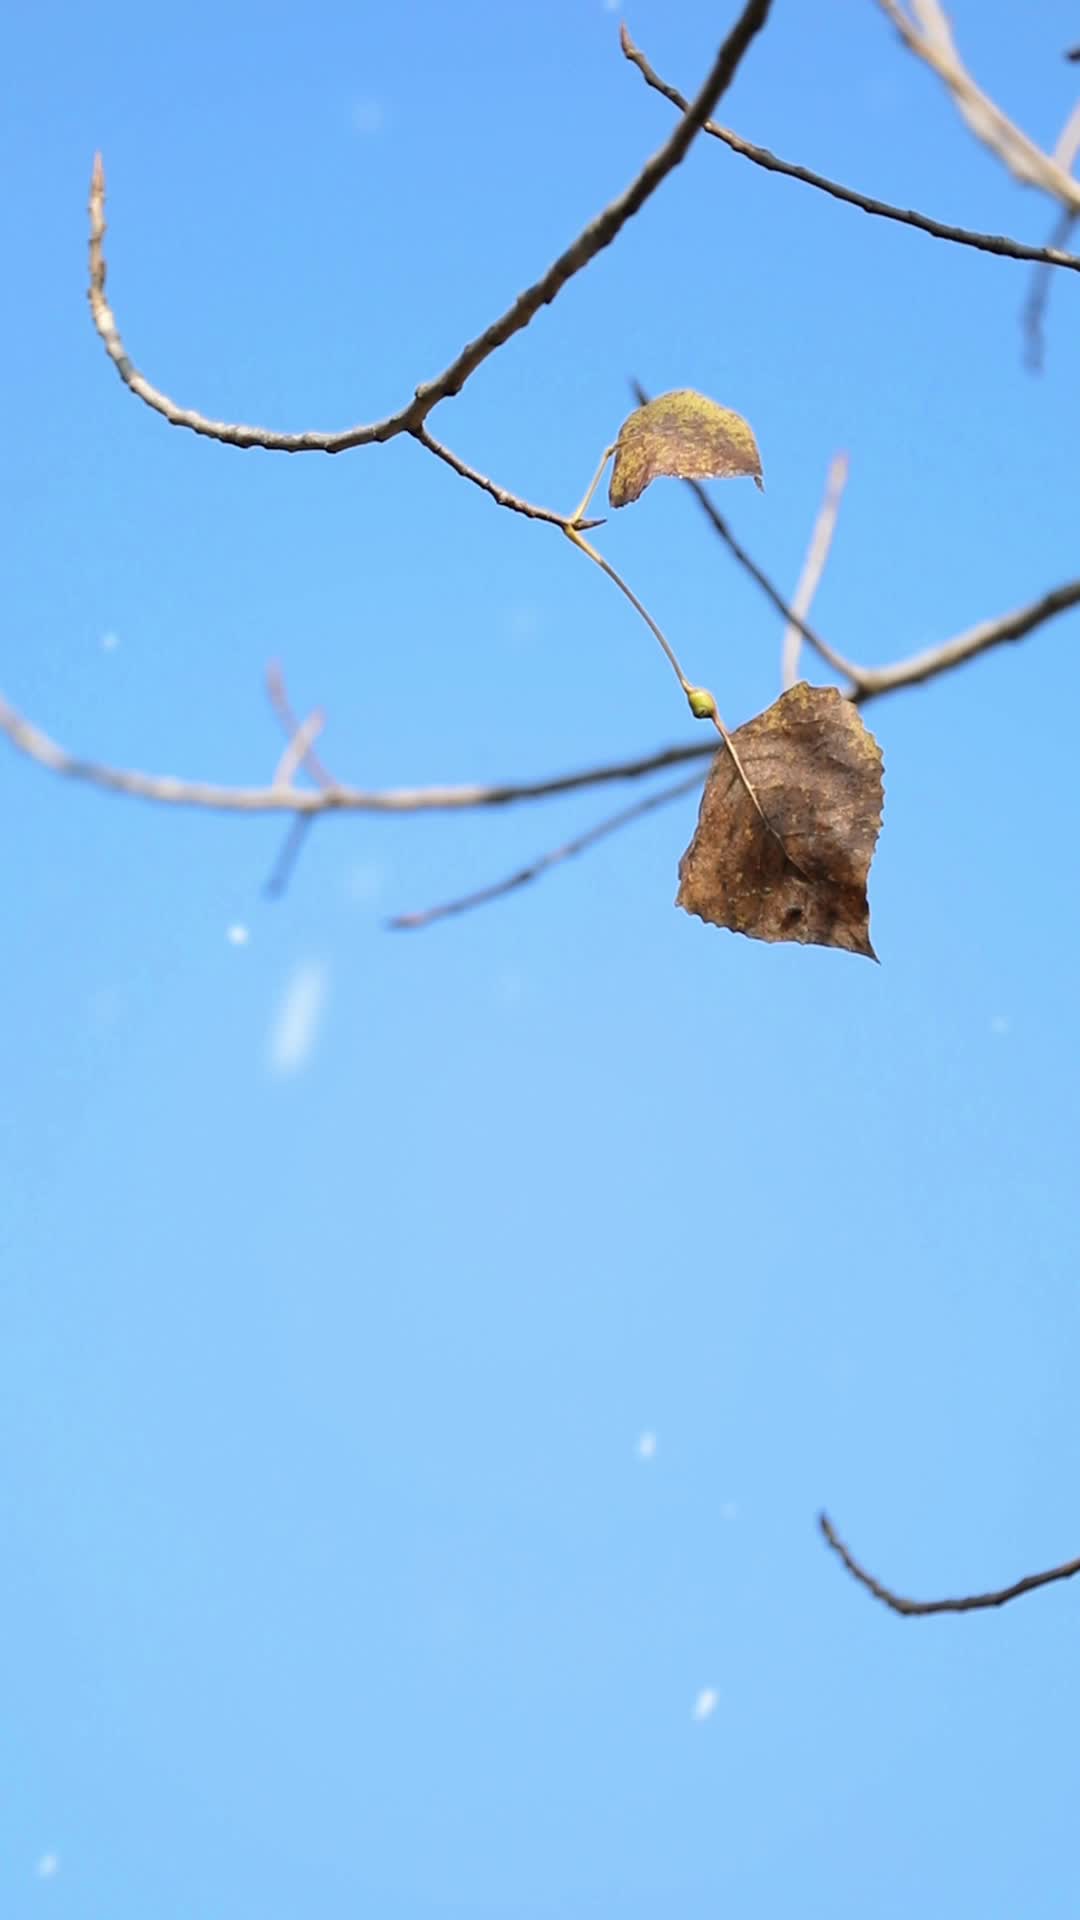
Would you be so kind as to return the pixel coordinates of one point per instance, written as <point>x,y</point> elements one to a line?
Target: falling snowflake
<point>299,1014</point>
<point>237,936</point>
<point>706,1703</point>
<point>368,116</point>
<point>646,1446</point>
<point>48,1866</point>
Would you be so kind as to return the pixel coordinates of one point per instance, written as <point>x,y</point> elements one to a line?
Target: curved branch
<point>965,1603</point>
<point>592,240</point>
<point>938,229</point>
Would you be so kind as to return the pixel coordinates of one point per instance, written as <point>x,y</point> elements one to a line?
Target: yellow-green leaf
<point>686,436</point>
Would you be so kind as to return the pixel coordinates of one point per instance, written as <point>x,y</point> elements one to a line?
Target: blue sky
<point>337,1580</point>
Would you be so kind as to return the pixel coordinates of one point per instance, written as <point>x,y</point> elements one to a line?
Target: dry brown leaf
<point>817,772</point>
<point>686,436</point>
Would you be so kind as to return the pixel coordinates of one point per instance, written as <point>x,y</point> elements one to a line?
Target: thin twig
<point>702,702</point>
<point>938,229</point>
<point>821,647</point>
<point>1033,312</point>
<point>966,1603</point>
<point>592,240</point>
<point>280,874</point>
<point>501,495</point>
<point>546,861</point>
<point>817,554</point>
<point>298,748</point>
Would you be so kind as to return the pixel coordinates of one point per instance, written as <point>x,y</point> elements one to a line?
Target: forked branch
<point>868,683</point>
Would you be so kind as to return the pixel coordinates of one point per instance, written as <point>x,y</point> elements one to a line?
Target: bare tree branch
<point>813,567</point>
<point>165,789</point>
<point>870,682</point>
<point>966,1603</point>
<point>592,240</point>
<point>929,36</point>
<point>613,824</point>
<point>997,243</point>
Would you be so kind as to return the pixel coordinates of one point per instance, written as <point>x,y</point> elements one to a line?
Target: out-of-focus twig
<point>761,579</point>
<point>300,735</point>
<point>299,752</point>
<point>965,1603</point>
<point>927,33</point>
<point>1034,310</point>
<point>817,554</point>
<point>521,878</point>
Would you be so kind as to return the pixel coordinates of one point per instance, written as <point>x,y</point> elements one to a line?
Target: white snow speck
<point>368,116</point>
<point>110,642</point>
<point>706,1703</point>
<point>646,1446</point>
<point>237,936</point>
<point>48,1866</point>
<point>295,1025</point>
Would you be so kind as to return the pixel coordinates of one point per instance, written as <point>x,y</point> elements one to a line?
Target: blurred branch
<point>761,157</point>
<point>929,36</point>
<point>165,789</point>
<point>867,683</point>
<point>1034,311</point>
<point>613,824</point>
<point>772,593</point>
<point>410,419</point>
<point>966,1603</point>
<point>870,682</point>
<point>813,567</point>
<point>300,751</point>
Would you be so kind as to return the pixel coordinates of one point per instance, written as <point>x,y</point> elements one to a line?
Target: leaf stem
<point>578,516</point>
<point>702,703</point>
